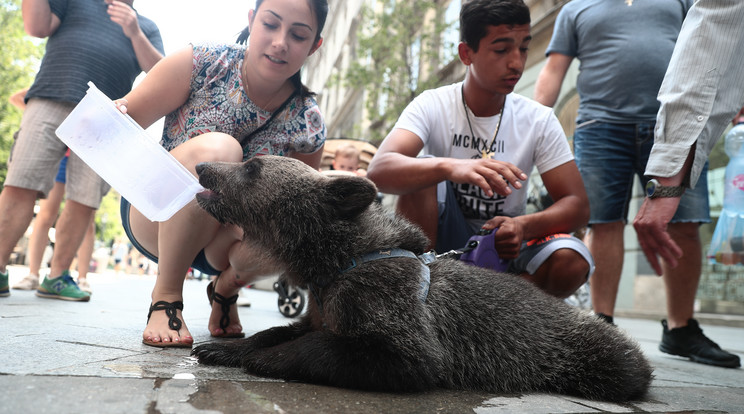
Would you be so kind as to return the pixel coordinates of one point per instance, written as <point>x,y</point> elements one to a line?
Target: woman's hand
<point>121,105</point>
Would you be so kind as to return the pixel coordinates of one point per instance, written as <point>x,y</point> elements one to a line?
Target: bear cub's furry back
<point>377,324</point>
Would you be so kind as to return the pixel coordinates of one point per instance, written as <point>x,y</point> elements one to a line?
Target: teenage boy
<point>480,142</point>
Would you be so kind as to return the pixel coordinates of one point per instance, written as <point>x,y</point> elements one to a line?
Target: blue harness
<point>425,259</point>
<point>424,276</point>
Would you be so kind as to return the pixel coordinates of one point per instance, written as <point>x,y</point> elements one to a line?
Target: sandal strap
<point>225,304</point>
<point>170,309</point>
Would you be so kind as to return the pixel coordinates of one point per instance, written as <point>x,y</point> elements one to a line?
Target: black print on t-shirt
<point>475,204</point>
<point>478,144</point>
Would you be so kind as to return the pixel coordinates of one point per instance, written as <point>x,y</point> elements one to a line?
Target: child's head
<point>319,13</point>
<point>477,15</point>
<point>346,158</point>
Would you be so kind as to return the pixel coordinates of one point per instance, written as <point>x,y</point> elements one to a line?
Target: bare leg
<point>247,263</point>
<point>681,282</point>
<point>85,252</point>
<point>48,212</point>
<point>606,243</point>
<point>72,226</point>
<point>226,285</point>
<point>177,241</point>
<point>16,211</point>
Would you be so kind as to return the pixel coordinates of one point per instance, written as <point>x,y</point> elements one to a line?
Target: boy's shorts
<point>610,155</point>
<point>36,155</point>
<point>454,231</point>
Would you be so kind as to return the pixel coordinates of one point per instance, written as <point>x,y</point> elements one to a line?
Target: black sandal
<point>225,304</point>
<point>174,323</point>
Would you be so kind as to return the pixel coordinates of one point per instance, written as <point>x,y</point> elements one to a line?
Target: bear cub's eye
<point>250,167</point>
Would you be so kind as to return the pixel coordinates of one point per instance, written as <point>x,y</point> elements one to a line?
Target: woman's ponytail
<point>297,81</point>
<point>243,36</point>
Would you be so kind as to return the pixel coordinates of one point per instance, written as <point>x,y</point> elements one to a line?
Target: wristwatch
<point>655,190</point>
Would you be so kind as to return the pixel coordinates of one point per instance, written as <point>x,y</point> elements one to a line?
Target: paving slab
<point>68,357</point>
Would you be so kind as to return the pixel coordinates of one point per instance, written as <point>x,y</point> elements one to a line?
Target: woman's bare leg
<point>176,242</point>
<point>247,263</point>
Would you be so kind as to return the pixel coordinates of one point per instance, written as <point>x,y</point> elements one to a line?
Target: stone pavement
<point>66,357</point>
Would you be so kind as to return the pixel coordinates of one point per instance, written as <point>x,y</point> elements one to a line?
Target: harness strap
<point>425,259</point>
<point>424,277</point>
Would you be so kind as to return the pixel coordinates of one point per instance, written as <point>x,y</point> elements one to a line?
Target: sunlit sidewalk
<point>72,357</point>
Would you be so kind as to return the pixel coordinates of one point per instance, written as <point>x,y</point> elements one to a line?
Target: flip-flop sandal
<point>174,323</point>
<point>225,304</point>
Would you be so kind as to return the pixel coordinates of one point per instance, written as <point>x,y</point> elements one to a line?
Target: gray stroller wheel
<point>291,301</point>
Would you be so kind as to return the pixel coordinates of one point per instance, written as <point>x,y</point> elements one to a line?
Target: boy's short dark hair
<point>477,15</point>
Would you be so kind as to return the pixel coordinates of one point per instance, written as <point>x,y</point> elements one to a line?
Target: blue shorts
<point>62,171</point>
<point>454,231</point>
<point>200,261</point>
<point>610,155</point>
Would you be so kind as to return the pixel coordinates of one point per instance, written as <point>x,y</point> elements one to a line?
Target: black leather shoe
<point>689,341</point>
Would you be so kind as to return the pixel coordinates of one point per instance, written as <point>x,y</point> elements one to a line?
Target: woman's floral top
<point>218,103</point>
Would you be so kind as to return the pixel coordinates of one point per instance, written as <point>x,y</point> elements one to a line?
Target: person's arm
<point>702,90</point>
<point>126,17</point>
<point>570,209</point>
<point>550,79</point>
<point>38,19</point>
<point>395,169</point>
<point>312,159</point>
<point>165,88</point>
<point>569,212</point>
<point>18,99</point>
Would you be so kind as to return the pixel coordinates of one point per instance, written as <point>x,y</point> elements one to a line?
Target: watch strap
<point>660,191</point>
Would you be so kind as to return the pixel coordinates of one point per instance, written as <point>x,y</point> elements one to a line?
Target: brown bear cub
<point>381,317</point>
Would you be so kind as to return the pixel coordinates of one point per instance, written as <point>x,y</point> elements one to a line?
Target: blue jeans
<point>610,155</point>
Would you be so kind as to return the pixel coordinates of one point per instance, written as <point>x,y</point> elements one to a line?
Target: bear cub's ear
<point>349,196</point>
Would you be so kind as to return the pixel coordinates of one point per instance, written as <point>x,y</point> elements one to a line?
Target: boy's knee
<point>564,272</point>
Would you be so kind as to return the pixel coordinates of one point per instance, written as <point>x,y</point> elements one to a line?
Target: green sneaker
<point>4,290</point>
<point>63,288</point>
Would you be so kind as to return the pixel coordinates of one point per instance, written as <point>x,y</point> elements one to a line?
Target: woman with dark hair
<point>227,103</point>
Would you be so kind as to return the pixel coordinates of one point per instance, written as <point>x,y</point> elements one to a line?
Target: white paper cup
<point>127,158</point>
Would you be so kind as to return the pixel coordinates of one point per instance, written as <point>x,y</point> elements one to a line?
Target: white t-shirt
<point>529,136</point>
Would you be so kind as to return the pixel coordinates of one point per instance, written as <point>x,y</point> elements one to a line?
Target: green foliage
<point>108,219</point>
<point>398,52</point>
<point>19,59</point>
